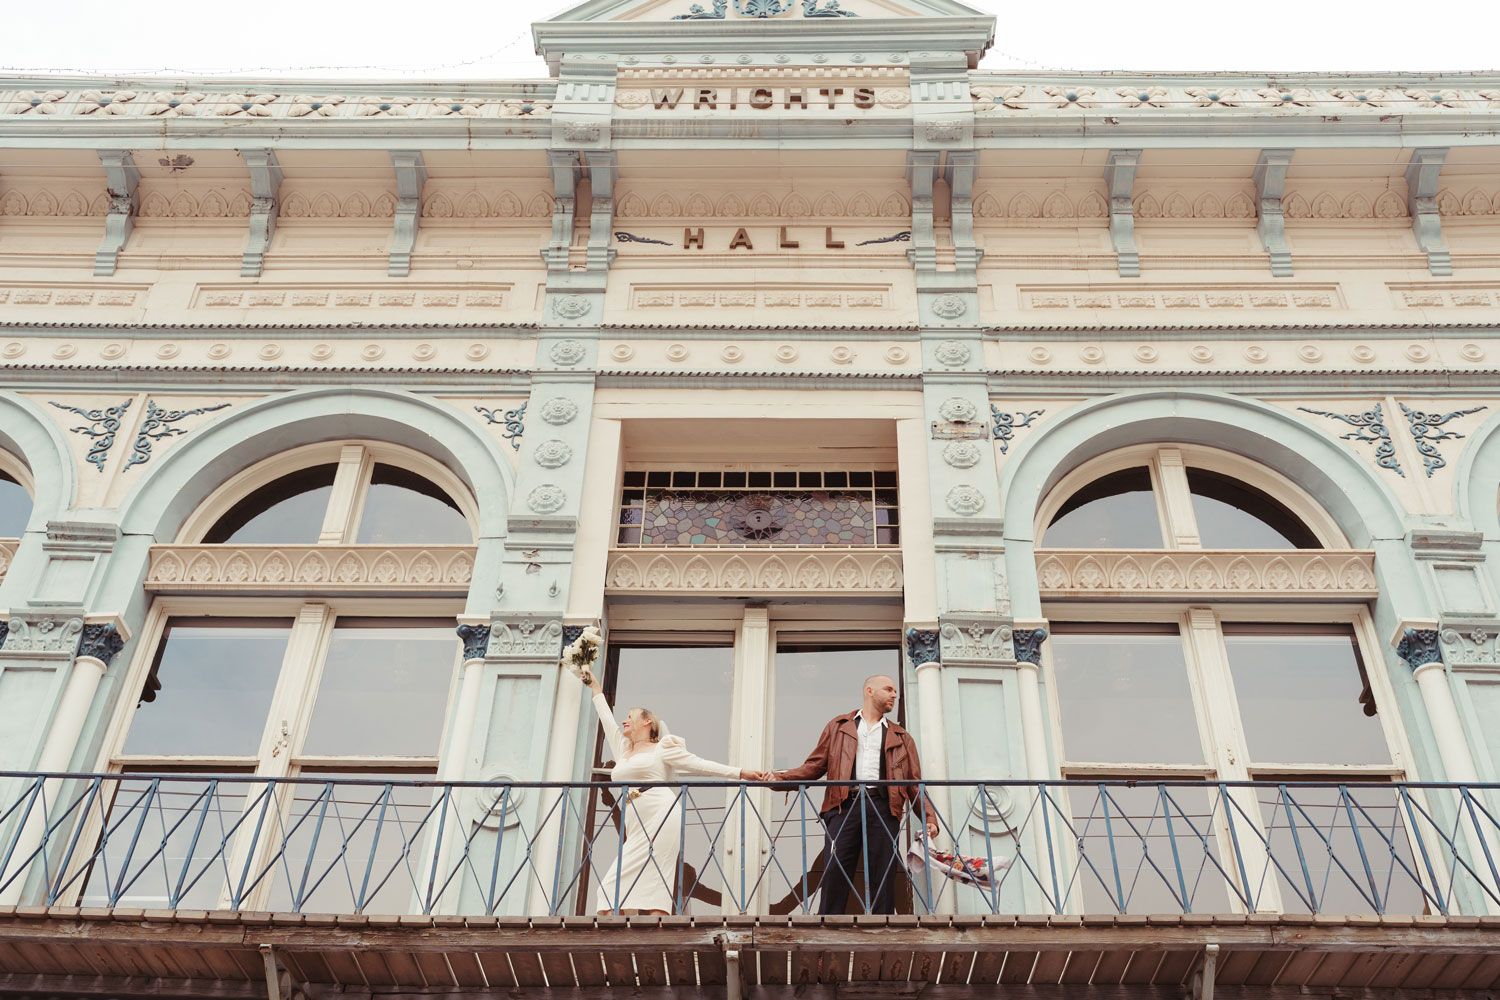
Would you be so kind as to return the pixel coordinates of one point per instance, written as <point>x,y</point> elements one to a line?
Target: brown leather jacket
<point>834,756</point>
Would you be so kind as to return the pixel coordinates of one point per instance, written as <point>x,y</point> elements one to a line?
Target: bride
<point>645,751</point>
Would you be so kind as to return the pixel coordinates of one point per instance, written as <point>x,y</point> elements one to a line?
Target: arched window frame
<point>1201,625</point>
<point>1167,464</point>
<point>355,461</point>
<point>19,471</point>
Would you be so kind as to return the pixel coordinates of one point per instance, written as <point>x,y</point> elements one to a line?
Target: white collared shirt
<point>871,741</point>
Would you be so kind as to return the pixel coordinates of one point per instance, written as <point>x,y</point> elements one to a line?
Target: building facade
<point>1143,427</point>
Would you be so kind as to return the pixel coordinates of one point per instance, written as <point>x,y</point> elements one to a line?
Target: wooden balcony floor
<point>129,953</point>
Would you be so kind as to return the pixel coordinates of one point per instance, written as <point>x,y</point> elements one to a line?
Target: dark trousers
<point>861,831</point>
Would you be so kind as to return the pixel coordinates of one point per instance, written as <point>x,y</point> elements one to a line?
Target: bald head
<point>879,695</point>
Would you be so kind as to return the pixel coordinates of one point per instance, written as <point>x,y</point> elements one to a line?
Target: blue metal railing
<point>377,845</point>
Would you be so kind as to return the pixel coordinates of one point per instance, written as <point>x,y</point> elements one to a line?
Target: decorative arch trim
<point>1476,487</point>
<point>38,442</point>
<point>250,435</point>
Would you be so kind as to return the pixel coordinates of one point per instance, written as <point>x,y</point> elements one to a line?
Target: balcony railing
<point>371,845</point>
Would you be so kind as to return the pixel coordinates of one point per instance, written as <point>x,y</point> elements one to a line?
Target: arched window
<point>15,497</point>
<point>339,663</point>
<point>1189,640</point>
<point>1171,498</point>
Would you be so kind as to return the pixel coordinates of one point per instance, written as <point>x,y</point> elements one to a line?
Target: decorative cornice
<point>754,571</point>
<point>1231,574</point>
<point>311,569</point>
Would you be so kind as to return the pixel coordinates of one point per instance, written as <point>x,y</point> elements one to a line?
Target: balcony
<point>358,885</point>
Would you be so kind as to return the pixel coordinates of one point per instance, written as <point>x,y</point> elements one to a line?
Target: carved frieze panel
<point>51,295</point>
<point>457,203</point>
<point>363,350</point>
<point>791,299</point>
<point>1270,355</point>
<point>872,203</point>
<point>1246,296</point>
<point>42,636</point>
<point>1040,204</point>
<point>757,571</point>
<point>758,356</point>
<point>1221,96</point>
<point>1206,575</point>
<point>310,569</point>
<point>979,641</point>
<point>414,295</point>
<point>1445,295</point>
<point>265,101</point>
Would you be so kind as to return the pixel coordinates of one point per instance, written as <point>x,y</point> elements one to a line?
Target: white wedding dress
<point>643,873</point>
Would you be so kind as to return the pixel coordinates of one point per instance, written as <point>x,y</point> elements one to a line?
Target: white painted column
<point>755,657</point>
<point>934,754</point>
<point>1458,765</point>
<point>454,766</point>
<point>561,759</point>
<point>1039,768</point>
<point>57,754</point>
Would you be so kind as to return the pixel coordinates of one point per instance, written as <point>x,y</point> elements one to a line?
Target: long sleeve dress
<point>644,871</point>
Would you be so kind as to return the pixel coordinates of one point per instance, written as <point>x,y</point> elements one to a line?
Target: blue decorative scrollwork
<point>1369,428</point>
<point>514,421</point>
<point>1028,644</point>
<point>1419,647</point>
<point>827,8</point>
<point>102,426</point>
<point>158,426</point>
<point>902,237</point>
<point>761,8</point>
<point>922,646</point>
<point>1426,431</point>
<point>697,13</point>
<point>101,641</point>
<point>623,237</point>
<point>1006,424</point>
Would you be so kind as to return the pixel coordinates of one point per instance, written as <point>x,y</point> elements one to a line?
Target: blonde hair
<point>653,724</point>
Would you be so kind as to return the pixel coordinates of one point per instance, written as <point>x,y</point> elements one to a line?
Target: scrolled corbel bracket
<point>265,182</point>
<point>922,173</point>
<point>1421,201</point>
<point>411,175</point>
<point>565,167</point>
<point>960,170</point>
<point>121,179</point>
<point>602,171</point>
<point>1119,178</point>
<point>1270,185</point>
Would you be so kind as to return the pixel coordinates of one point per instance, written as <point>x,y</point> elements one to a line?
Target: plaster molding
<point>754,571</point>
<point>310,569</point>
<point>42,635</point>
<point>122,179</point>
<point>411,175</point>
<point>525,637</point>
<point>1421,192</point>
<point>1218,575</point>
<point>1269,176</point>
<point>977,641</point>
<point>265,185</point>
<point>1119,180</point>
<point>1470,642</point>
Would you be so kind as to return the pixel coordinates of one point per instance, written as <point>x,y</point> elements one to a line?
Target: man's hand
<point>749,775</point>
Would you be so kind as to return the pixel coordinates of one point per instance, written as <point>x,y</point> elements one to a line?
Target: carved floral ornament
<point>546,499</point>
<point>992,96</point>
<point>1221,574</point>
<point>96,102</point>
<point>756,570</point>
<point>211,568</point>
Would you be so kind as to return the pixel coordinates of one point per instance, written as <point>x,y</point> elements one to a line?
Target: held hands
<point>748,775</point>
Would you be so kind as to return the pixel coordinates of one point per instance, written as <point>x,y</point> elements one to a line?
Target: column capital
<point>1419,647</point>
<point>922,646</point>
<point>101,641</point>
<point>1028,643</point>
<point>476,640</point>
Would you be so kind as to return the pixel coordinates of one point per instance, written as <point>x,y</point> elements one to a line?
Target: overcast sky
<point>491,39</point>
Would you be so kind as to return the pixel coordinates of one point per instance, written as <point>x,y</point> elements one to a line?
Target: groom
<point>863,821</point>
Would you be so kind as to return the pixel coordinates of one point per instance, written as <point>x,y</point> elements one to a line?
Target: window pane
<point>1341,855</point>
<point>15,507</point>
<point>288,511</point>
<point>690,688</point>
<point>1148,849</point>
<point>403,508</point>
<point>216,679</point>
<point>1232,515</point>
<point>383,690</point>
<point>1125,698</point>
<point>1116,512</point>
<point>1299,697</point>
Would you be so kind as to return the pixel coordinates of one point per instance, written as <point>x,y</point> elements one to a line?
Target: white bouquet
<point>580,654</point>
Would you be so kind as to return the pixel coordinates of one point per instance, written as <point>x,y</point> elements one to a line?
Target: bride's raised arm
<point>606,718</point>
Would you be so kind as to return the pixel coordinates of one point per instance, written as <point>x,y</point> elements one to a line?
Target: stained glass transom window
<point>734,507</point>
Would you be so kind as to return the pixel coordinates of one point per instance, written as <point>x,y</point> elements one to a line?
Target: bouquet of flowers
<point>582,652</point>
<point>962,869</point>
